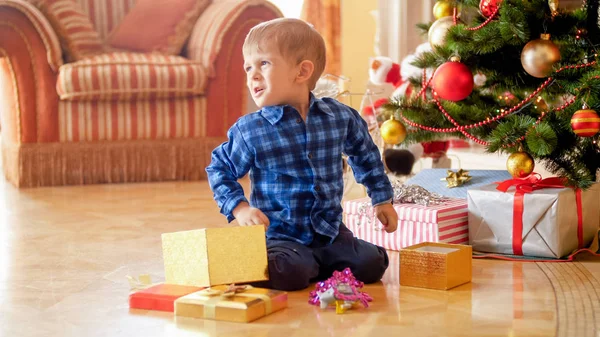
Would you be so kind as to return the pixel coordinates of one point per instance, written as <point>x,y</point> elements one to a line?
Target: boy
<point>292,148</point>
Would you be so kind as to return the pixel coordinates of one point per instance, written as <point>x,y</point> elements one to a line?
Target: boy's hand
<point>248,216</point>
<point>388,217</point>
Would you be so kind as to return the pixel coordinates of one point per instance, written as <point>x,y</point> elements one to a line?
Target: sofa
<point>78,108</point>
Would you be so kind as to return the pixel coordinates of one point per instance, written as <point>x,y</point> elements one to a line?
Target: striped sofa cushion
<point>81,121</point>
<point>157,26</point>
<point>106,14</point>
<point>126,76</point>
<point>78,37</point>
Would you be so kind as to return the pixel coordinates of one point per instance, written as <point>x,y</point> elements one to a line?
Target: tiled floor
<point>65,253</point>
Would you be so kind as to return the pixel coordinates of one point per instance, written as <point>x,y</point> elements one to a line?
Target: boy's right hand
<point>249,216</point>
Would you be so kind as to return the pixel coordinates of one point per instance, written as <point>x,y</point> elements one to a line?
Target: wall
<point>398,37</point>
<point>289,8</point>
<point>398,18</point>
<point>357,39</point>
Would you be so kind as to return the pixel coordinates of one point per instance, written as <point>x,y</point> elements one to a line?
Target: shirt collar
<point>274,113</point>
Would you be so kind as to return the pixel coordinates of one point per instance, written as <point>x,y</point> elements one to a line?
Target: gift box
<point>446,222</point>
<point>435,265</point>
<point>213,256</point>
<point>160,297</point>
<point>242,304</point>
<point>431,179</point>
<point>537,218</point>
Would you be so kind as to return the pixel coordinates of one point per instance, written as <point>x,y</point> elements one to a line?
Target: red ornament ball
<point>488,7</point>
<point>453,81</point>
<point>585,123</point>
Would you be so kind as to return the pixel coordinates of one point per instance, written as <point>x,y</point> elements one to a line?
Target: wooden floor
<point>65,253</point>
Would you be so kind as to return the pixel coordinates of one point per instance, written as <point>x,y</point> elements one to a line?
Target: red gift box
<point>160,297</point>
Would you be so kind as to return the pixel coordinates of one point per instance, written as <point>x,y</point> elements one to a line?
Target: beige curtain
<point>325,15</point>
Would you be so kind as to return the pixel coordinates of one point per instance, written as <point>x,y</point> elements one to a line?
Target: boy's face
<point>270,77</point>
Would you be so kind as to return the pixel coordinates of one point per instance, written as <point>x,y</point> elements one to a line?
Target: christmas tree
<point>517,76</point>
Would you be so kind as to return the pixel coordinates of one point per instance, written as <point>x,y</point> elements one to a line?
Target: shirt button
<point>299,120</point>
<point>317,188</point>
<point>310,155</point>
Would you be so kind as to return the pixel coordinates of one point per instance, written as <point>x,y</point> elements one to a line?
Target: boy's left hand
<point>388,217</point>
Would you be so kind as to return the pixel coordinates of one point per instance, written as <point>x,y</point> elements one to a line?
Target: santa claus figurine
<point>382,71</point>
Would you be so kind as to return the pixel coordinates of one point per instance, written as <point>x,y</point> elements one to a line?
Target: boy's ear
<point>305,71</point>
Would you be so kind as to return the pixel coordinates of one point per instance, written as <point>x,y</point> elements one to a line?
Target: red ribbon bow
<point>532,183</point>
<point>528,185</point>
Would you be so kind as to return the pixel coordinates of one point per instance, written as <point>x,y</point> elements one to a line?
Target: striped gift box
<point>446,223</point>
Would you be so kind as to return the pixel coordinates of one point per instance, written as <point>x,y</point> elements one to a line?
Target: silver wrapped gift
<point>550,220</point>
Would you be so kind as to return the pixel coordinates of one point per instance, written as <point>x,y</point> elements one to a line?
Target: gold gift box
<point>213,256</point>
<point>245,306</point>
<point>435,265</point>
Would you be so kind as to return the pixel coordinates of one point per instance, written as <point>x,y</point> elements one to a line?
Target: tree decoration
<point>580,33</point>
<point>507,99</point>
<point>438,30</point>
<point>520,164</point>
<point>553,4</point>
<point>539,56</point>
<point>536,122</point>
<point>453,80</point>
<point>585,123</point>
<point>442,8</point>
<point>393,131</point>
<point>488,7</point>
<point>540,104</point>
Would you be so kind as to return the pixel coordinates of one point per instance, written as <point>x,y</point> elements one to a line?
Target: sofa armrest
<point>217,21</point>
<point>30,56</point>
<point>43,28</point>
<point>217,42</point>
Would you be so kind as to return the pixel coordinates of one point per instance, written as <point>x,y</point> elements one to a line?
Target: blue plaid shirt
<point>296,167</point>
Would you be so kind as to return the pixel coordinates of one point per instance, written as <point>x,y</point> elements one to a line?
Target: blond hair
<point>296,40</point>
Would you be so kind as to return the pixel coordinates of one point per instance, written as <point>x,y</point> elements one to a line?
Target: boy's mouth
<point>258,90</point>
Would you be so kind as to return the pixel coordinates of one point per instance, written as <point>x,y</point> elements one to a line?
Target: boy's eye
<point>247,69</point>
<point>264,63</point>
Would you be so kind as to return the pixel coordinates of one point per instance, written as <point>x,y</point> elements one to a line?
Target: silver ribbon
<point>403,194</point>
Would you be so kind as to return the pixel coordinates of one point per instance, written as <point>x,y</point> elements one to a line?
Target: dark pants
<point>293,266</point>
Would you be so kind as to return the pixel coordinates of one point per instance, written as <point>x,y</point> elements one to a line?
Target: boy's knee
<point>372,265</point>
<point>290,273</point>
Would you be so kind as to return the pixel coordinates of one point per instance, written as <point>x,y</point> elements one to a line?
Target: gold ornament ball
<point>392,131</point>
<point>438,30</point>
<point>442,8</point>
<point>520,164</point>
<point>538,56</point>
